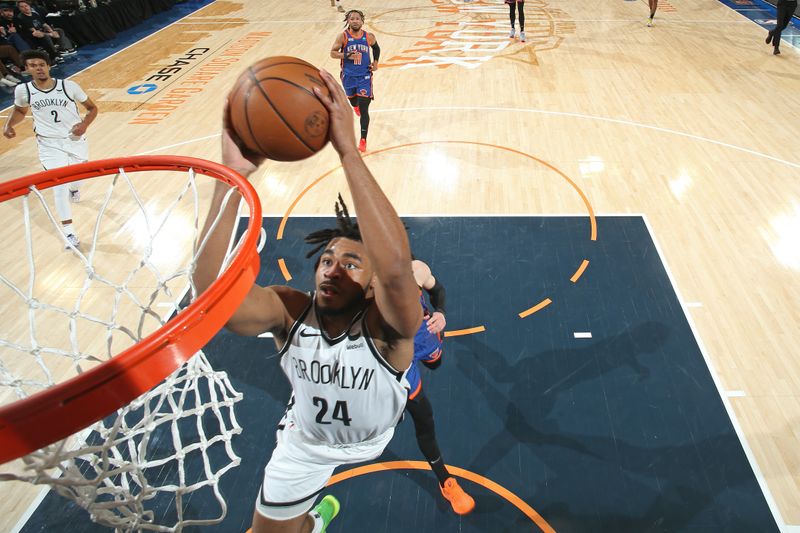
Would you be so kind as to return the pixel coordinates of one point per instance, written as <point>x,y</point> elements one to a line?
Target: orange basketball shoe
<point>362,145</point>
<point>357,111</point>
<point>461,501</point>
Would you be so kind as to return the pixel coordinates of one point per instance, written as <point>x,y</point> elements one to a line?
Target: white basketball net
<point>68,310</point>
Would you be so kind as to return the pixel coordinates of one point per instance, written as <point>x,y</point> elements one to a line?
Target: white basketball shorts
<point>56,153</point>
<point>300,468</point>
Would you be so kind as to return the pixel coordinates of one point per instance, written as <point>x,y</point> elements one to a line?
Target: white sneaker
<point>511,35</point>
<point>12,78</point>
<point>522,36</point>
<point>72,241</point>
<point>5,83</point>
<point>75,196</point>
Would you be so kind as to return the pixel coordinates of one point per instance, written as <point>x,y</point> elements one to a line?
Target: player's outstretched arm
<point>425,279</point>
<point>263,308</point>
<point>384,235</point>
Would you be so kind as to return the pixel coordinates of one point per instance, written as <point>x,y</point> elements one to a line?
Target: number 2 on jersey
<point>55,115</point>
<point>339,411</point>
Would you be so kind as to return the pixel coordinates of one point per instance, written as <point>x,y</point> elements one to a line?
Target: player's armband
<point>437,296</point>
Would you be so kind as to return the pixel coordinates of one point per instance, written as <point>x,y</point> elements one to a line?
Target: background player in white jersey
<point>345,348</point>
<point>58,126</point>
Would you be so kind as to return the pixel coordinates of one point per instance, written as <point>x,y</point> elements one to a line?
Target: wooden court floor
<point>692,123</point>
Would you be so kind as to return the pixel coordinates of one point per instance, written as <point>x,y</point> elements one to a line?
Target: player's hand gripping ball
<point>274,111</point>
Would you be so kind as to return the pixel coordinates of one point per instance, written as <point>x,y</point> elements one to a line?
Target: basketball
<point>274,111</point>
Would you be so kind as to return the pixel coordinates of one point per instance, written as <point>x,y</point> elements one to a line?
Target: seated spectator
<point>7,77</point>
<point>63,43</point>
<point>39,34</point>
<point>8,29</point>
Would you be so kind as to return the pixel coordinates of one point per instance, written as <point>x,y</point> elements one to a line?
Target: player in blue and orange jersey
<point>352,48</point>
<point>428,351</point>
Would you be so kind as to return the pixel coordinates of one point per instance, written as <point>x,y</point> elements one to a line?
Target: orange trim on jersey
<point>413,395</point>
<point>434,356</point>
<point>363,34</point>
<point>478,479</point>
<point>341,61</point>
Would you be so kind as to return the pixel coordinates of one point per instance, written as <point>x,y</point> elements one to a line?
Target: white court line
<point>547,112</point>
<point>591,117</point>
<point>582,334</point>
<point>30,510</point>
<point>179,144</point>
<point>762,482</point>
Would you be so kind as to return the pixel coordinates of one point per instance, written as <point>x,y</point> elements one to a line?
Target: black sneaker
<point>776,52</point>
<point>769,37</point>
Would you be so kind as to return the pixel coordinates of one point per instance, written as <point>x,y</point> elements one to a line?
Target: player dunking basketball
<point>345,348</point>
<point>352,47</point>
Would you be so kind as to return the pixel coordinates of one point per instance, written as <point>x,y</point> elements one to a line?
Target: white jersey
<point>55,112</point>
<point>345,392</point>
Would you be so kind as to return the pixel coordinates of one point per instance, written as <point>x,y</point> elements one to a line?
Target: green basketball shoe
<point>328,508</point>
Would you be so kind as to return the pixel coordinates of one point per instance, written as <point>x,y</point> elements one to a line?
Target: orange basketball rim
<point>53,414</point>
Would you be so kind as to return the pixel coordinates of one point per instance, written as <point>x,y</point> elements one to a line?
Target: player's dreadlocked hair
<point>347,15</point>
<point>345,228</point>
